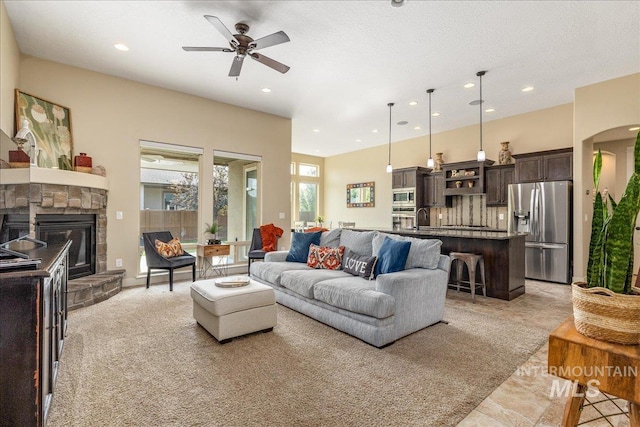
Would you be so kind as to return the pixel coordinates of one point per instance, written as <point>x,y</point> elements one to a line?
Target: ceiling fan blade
<point>270,40</point>
<point>217,23</point>
<point>270,62</point>
<point>206,49</point>
<point>236,66</point>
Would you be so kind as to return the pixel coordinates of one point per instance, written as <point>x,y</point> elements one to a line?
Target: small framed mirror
<point>361,195</point>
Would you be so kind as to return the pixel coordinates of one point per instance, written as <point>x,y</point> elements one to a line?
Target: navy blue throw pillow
<point>392,256</point>
<point>300,243</point>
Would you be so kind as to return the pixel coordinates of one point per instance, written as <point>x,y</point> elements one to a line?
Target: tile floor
<point>525,399</point>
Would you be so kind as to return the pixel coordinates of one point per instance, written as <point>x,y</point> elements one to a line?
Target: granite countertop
<point>490,234</point>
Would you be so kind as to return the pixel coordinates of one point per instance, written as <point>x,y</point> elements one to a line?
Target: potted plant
<point>607,306</point>
<point>211,230</point>
<point>320,220</point>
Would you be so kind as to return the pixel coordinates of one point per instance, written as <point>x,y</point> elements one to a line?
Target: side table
<point>612,367</point>
<point>206,263</point>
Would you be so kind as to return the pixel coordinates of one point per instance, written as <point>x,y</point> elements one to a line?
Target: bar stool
<point>471,260</point>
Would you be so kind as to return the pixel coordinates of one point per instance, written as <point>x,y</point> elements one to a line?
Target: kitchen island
<point>503,254</point>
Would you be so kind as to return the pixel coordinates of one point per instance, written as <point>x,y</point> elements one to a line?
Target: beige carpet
<point>140,359</point>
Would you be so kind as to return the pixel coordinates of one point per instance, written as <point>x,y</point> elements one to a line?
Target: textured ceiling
<point>349,59</point>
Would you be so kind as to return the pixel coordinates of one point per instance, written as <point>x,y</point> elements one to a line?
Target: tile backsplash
<point>469,210</point>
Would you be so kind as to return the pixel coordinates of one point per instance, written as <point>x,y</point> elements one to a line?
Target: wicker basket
<point>605,315</point>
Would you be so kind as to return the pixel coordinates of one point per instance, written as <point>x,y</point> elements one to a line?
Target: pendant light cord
<point>481,111</point>
<point>390,105</point>
<point>430,91</point>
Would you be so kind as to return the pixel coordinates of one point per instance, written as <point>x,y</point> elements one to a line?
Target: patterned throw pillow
<point>324,257</point>
<point>170,249</point>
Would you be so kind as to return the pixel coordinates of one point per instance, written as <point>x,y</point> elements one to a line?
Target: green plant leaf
<point>594,266</point>
<point>636,154</point>
<point>597,169</point>
<point>618,244</point>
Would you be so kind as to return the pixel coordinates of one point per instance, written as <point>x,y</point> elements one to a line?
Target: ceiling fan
<point>244,45</point>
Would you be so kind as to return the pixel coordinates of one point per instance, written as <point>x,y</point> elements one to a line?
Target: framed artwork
<point>361,195</point>
<point>51,125</point>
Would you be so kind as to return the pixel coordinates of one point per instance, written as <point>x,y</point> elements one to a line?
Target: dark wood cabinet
<point>434,191</point>
<point>497,180</point>
<point>408,177</point>
<point>553,165</point>
<point>33,320</point>
<point>465,178</point>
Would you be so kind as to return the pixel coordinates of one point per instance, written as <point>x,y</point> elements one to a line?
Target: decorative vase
<point>470,184</point>
<point>605,315</point>
<point>458,184</point>
<point>504,156</point>
<point>437,162</point>
<point>64,163</point>
<point>82,163</point>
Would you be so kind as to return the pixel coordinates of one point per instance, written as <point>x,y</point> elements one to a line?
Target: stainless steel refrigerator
<point>543,211</point>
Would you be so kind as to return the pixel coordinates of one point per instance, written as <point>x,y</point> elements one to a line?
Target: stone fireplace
<point>64,205</point>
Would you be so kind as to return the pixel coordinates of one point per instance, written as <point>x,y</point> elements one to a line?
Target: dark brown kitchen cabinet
<point>434,191</point>
<point>408,177</point>
<point>497,180</point>
<point>553,165</point>
<point>33,320</point>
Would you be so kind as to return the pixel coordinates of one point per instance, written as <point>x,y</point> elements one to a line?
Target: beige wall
<point>597,108</point>
<point>616,172</point>
<point>539,130</point>
<point>9,74</point>
<point>111,115</point>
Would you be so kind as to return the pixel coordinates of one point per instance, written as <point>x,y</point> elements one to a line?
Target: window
<point>308,170</point>
<point>169,177</point>
<point>307,201</point>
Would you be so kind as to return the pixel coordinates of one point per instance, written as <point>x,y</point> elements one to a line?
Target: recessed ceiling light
<point>436,114</point>
<point>402,122</point>
<point>317,151</point>
<point>122,47</point>
<point>634,128</point>
<point>528,89</point>
<point>417,128</point>
<point>476,102</point>
<point>375,131</point>
<point>469,85</point>
<point>489,110</point>
<point>413,103</point>
<point>358,140</point>
<point>316,130</point>
<point>266,90</point>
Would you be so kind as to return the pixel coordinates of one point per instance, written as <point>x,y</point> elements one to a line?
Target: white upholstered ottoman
<point>230,312</point>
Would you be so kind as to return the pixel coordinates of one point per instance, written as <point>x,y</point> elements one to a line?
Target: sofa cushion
<point>359,242</point>
<point>302,281</point>
<point>424,253</point>
<point>325,258</point>
<point>300,243</point>
<point>359,265</point>
<point>355,294</point>
<point>392,256</point>
<point>331,238</point>
<point>270,272</point>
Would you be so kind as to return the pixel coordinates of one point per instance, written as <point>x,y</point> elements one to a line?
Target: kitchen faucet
<point>418,215</point>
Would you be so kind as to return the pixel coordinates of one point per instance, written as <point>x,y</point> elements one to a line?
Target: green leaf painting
<point>51,125</point>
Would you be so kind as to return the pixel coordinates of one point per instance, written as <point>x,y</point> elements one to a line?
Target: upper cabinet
<point>465,178</point>
<point>553,165</point>
<point>434,191</point>
<point>497,180</point>
<point>408,177</point>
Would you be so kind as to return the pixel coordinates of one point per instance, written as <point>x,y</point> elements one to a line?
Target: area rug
<point>140,359</point>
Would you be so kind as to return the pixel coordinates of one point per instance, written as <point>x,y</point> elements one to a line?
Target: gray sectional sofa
<point>378,311</point>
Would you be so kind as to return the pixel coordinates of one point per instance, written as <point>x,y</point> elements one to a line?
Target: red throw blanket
<point>270,235</point>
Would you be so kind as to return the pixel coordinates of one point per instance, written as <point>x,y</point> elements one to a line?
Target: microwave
<point>404,197</point>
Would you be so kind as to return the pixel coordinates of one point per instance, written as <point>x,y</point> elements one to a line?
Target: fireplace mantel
<point>52,176</point>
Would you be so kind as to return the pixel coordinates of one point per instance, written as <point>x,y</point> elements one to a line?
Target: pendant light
<point>482,156</point>
<point>430,162</point>
<point>389,167</point>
